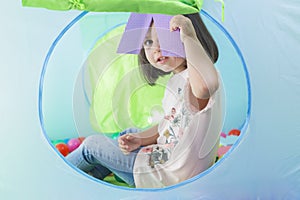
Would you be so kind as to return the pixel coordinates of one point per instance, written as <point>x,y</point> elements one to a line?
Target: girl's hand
<point>129,142</point>
<point>185,26</point>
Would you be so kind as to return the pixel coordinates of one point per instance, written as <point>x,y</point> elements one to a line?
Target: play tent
<point>264,163</point>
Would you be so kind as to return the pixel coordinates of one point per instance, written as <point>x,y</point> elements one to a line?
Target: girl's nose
<point>156,46</point>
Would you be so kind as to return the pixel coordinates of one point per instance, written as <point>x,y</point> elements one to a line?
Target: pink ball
<point>73,144</point>
<point>223,135</point>
<point>222,150</point>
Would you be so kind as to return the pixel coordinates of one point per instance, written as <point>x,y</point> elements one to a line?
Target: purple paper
<point>136,30</point>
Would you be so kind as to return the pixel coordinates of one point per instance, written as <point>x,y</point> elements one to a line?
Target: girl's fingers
<point>173,26</point>
<point>121,139</point>
<point>126,152</point>
<point>124,138</point>
<point>128,137</point>
<point>128,143</point>
<point>125,147</point>
<point>175,22</point>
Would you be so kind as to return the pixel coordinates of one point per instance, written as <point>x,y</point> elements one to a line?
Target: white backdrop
<point>264,165</point>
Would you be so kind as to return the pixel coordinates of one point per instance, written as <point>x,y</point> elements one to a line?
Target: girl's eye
<point>148,43</point>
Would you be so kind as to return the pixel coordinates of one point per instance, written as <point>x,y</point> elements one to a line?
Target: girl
<point>185,142</point>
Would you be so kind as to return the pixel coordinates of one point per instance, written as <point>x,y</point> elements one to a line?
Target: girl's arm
<point>148,136</point>
<point>203,76</point>
<point>130,142</point>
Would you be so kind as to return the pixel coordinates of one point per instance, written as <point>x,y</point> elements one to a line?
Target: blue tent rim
<point>199,176</point>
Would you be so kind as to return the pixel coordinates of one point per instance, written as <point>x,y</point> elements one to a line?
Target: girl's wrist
<point>142,142</point>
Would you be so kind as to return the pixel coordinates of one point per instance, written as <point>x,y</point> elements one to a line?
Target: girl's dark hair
<point>151,74</point>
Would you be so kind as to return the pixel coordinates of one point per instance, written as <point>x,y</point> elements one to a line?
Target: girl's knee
<point>97,141</point>
<point>91,138</point>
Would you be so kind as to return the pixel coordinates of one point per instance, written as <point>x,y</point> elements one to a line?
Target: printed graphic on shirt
<point>158,156</point>
<point>173,128</point>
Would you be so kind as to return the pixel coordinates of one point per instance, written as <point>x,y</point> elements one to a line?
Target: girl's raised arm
<point>203,76</point>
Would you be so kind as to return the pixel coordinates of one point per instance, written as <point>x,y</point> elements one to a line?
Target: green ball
<point>55,142</point>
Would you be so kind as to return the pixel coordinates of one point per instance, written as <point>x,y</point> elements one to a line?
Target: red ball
<point>62,148</point>
<point>235,132</point>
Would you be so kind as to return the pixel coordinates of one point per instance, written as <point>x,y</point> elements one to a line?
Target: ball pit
<point>67,145</point>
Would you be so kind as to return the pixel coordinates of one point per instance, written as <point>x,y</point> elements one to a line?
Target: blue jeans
<point>99,155</point>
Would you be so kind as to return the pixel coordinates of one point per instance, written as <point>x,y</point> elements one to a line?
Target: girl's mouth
<point>162,60</point>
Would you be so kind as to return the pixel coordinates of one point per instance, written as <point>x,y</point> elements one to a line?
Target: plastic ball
<point>73,144</point>
<point>81,139</point>
<point>66,141</point>
<point>55,142</point>
<point>62,148</point>
<point>235,132</point>
<point>223,135</point>
<point>222,150</point>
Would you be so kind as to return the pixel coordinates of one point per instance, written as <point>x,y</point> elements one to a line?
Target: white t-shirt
<point>188,139</point>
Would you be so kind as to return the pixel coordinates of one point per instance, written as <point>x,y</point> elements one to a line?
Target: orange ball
<point>81,139</point>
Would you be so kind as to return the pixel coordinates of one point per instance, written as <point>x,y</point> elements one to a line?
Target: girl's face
<point>155,58</point>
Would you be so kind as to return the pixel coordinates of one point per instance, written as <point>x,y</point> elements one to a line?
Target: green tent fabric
<point>120,97</point>
<point>171,7</point>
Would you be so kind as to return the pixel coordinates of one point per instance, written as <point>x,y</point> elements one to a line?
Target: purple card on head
<point>136,30</point>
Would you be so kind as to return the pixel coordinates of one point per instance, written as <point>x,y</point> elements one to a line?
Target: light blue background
<point>265,164</point>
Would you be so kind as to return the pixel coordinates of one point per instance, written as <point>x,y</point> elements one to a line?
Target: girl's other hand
<point>129,142</point>
<point>185,26</point>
